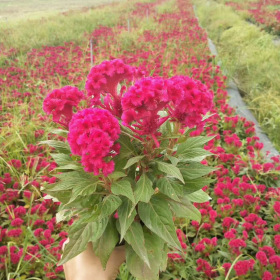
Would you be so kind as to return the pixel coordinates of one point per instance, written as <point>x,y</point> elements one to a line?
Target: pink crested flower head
<point>142,103</point>
<point>243,267</point>
<point>267,276</point>
<point>262,258</point>
<point>236,244</point>
<point>104,78</point>
<point>17,222</point>
<point>60,103</point>
<point>190,100</point>
<point>92,135</point>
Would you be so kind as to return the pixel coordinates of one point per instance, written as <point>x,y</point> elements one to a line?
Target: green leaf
<point>63,215</point>
<point>75,180</point>
<point>123,187</point>
<point>71,166</point>
<point>105,245</point>
<point>109,205</point>
<point>157,255</point>
<point>157,216</point>
<point>143,189</point>
<point>126,213</point>
<point>173,160</point>
<point>196,184</point>
<point>127,148</point>
<point>77,242</point>
<point>195,154</point>
<point>63,196</point>
<point>60,146</point>
<point>199,196</point>
<point>170,169</point>
<point>116,175</point>
<point>60,132</point>
<point>195,170</point>
<point>120,163</point>
<point>82,201</point>
<point>135,238</point>
<point>192,143</point>
<point>185,209</point>
<point>132,161</point>
<point>170,188</point>
<point>62,159</point>
<point>99,228</point>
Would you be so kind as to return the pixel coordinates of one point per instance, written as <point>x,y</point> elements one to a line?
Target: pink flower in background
<point>262,258</point>
<point>243,267</point>
<point>236,244</point>
<point>267,276</point>
<point>60,103</point>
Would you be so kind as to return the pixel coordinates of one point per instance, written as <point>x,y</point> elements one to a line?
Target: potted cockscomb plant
<point>128,167</point>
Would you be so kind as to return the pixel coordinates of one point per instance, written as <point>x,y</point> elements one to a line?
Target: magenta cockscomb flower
<point>141,105</point>
<point>103,80</point>
<point>243,267</point>
<point>190,100</point>
<point>60,103</point>
<point>262,258</point>
<point>92,133</point>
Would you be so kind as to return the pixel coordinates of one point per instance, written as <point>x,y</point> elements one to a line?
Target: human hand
<point>87,266</point>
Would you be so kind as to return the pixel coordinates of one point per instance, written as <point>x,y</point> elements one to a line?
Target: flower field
<point>238,236</point>
<point>266,13</point>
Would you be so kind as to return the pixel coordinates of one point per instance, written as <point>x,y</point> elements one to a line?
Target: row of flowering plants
<point>262,12</point>
<point>242,186</point>
<point>129,166</point>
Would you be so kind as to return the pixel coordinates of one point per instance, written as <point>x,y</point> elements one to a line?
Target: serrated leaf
<point>195,170</point>
<point>120,163</point>
<point>62,196</point>
<point>199,196</point>
<point>127,148</point>
<point>192,143</point>
<point>185,209</point>
<point>71,166</point>
<point>60,132</point>
<point>116,175</point>
<point>170,169</point>
<point>123,187</point>
<point>105,245</point>
<point>132,161</point>
<point>195,154</point>
<point>82,201</point>
<point>62,159</point>
<point>77,242</point>
<point>157,255</point>
<point>157,216</point>
<point>196,184</point>
<point>143,190</point>
<point>63,215</point>
<point>74,179</point>
<point>170,188</point>
<point>135,238</point>
<point>109,205</point>
<point>173,160</point>
<point>60,146</point>
<point>126,213</point>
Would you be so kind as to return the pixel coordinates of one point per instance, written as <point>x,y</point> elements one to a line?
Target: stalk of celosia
<point>128,151</point>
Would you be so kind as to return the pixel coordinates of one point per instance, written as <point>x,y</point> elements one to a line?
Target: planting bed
<point>250,58</point>
<point>238,236</point>
<point>265,13</point>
